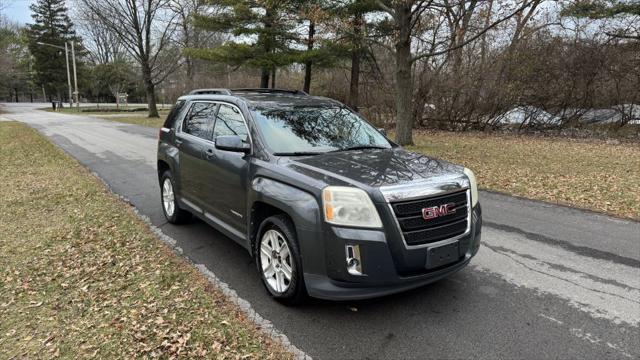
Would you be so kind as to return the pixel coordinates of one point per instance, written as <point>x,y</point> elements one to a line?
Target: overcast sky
<point>18,11</point>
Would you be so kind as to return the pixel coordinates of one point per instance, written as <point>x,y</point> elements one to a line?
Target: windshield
<point>315,129</point>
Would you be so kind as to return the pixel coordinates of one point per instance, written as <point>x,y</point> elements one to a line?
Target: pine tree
<point>51,26</point>
<point>320,51</point>
<point>351,35</point>
<point>264,32</point>
<point>606,9</point>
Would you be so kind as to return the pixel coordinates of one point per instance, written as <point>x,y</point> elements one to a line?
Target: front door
<point>227,172</point>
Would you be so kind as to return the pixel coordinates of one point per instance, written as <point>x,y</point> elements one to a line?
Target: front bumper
<point>387,267</point>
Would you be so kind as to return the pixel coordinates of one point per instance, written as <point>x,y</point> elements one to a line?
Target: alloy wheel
<point>276,261</point>
<point>168,200</point>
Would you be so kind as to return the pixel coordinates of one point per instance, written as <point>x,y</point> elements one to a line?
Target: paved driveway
<point>548,282</point>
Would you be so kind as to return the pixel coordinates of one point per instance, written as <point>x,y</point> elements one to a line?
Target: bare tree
<point>104,46</point>
<point>188,36</point>
<point>415,19</point>
<point>145,28</point>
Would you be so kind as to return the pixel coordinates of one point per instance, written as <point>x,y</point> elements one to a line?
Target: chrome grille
<point>418,231</point>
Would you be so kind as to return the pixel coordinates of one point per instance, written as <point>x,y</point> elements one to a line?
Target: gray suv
<point>326,204</point>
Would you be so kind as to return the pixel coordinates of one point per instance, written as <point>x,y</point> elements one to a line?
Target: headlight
<point>473,184</point>
<point>349,206</point>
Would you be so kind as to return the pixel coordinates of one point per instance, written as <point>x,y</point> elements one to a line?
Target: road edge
<point>265,326</point>
<point>561,205</point>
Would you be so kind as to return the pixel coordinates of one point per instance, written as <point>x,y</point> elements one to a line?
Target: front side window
<point>290,129</point>
<point>229,122</point>
<point>199,120</point>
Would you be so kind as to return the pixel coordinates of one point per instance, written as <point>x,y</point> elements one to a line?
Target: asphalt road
<point>549,281</point>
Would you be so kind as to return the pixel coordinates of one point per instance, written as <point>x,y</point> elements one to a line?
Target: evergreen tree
<point>14,62</point>
<point>321,51</point>
<point>51,26</point>
<point>351,36</point>
<point>264,31</point>
<point>607,9</point>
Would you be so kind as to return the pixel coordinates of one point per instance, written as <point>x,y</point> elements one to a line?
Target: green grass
<point>82,276</point>
<point>138,120</point>
<point>106,110</point>
<point>591,174</point>
<point>133,117</point>
<point>93,111</point>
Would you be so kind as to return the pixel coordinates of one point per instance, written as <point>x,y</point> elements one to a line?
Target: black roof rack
<point>210,92</point>
<point>270,91</point>
<point>222,91</point>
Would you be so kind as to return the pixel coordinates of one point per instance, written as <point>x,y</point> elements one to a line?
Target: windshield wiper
<point>297,153</point>
<point>360,147</point>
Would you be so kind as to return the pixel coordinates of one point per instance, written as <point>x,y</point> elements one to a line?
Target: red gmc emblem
<point>437,211</point>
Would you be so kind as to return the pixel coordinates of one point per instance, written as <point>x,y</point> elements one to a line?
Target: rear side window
<point>229,122</point>
<point>173,114</point>
<point>199,120</point>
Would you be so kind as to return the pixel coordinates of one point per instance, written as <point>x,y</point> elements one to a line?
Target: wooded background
<point>450,64</point>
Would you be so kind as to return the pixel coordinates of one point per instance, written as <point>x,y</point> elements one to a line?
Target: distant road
<point>549,281</point>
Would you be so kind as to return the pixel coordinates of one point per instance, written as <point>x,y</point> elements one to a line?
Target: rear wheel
<point>170,207</point>
<point>278,260</point>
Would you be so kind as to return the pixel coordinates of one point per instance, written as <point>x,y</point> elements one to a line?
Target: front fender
<point>304,210</point>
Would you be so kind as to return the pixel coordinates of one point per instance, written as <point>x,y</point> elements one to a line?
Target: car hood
<point>374,167</point>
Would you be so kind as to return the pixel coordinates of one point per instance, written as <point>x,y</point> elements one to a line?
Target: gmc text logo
<point>437,211</point>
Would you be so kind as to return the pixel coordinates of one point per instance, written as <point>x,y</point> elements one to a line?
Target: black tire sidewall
<point>296,289</point>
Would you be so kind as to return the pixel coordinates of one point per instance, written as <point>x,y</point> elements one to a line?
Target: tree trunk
<point>273,77</point>
<point>307,65</point>
<point>356,54</point>
<point>354,84</point>
<point>307,77</point>
<point>404,81</point>
<point>189,70</point>
<point>151,91</point>
<point>266,41</point>
<point>151,100</point>
<point>264,78</point>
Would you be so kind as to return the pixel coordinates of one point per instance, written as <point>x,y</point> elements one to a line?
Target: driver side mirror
<point>232,143</point>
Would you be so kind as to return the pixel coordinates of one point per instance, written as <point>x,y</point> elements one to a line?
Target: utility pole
<point>75,77</point>
<point>66,59</point>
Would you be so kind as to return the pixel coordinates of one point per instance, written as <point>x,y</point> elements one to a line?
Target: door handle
<point>209,153</point>
<point>178,142</point>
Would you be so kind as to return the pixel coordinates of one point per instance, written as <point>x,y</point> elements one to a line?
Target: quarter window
<point>173,114</point>
<point>199,121</point>
<point>229,122</point>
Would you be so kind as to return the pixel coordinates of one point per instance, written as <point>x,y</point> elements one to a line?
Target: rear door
<point>192,138</point>
<point>227,174</point>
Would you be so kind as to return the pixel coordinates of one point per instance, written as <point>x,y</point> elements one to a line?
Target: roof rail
<point>210,92</point>
<point>270,91</point>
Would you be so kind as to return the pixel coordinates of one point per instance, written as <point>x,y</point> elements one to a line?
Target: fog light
<point>354,261</point>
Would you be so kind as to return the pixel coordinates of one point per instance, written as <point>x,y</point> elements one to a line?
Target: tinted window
<point>305,128</point>
<point>173,114</point>
<point>199,120</point>
<point>229,122</point>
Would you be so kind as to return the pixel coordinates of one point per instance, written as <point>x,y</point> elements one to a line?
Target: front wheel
<point>278,260</point>
<point>170,207</point>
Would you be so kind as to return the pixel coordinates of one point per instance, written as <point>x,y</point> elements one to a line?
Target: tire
<point>277,231</point>
<point>172,211</point>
